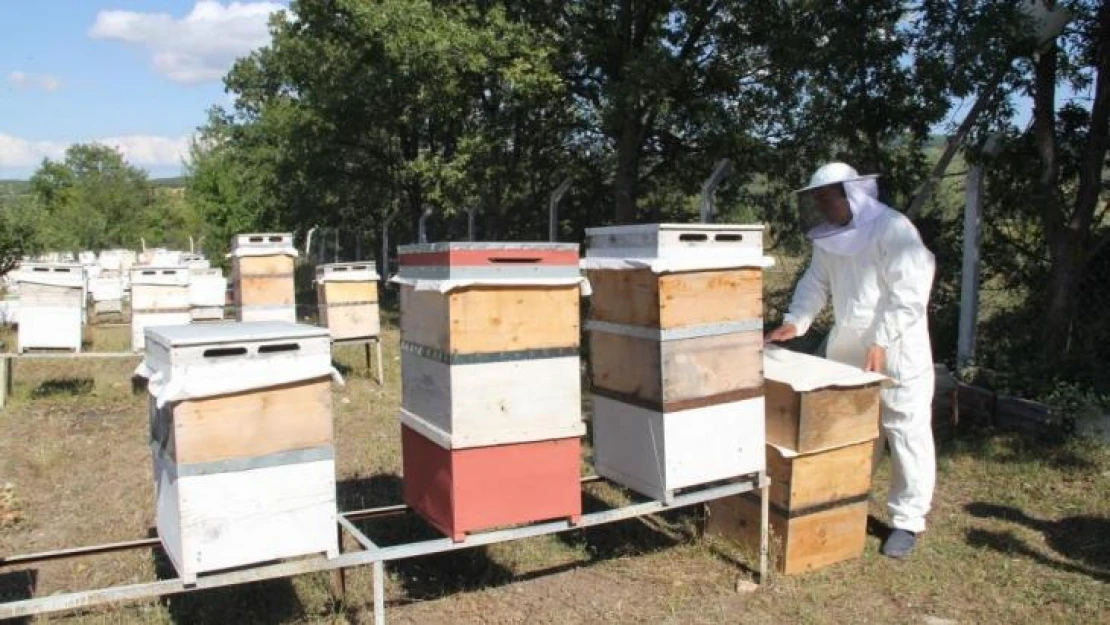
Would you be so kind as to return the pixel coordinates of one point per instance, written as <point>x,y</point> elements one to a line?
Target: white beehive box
<point>470,403</point>
<point>657,453</point>
<point>347,297</point>
<point>106,292</point>
<point>676,242</point>
<point>52,306</point>
<point>207,293</point>
<point>242,441</point>
<point>159,297</point>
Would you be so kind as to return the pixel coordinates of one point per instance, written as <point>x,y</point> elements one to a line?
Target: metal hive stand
<point>369,553</point>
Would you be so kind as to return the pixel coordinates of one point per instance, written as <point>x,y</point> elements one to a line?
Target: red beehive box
<point>466,490</point>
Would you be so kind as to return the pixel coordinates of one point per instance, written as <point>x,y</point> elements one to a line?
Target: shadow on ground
<point>17,586</point>
<point>1084,540</point>
<point>63,386</point>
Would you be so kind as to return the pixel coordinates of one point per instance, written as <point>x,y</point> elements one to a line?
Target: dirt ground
<point>1020,531</point>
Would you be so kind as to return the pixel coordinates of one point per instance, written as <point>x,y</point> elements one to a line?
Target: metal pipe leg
<point>764,514</point>
<point>5,369</point>
<point>379,593</point>
<point>381,371</point>
<point>339,577</point>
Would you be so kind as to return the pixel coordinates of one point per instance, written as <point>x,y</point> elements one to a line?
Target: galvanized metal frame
<point>369,554</point>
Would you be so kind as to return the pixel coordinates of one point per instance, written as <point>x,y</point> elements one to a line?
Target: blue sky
<point>137,74</point>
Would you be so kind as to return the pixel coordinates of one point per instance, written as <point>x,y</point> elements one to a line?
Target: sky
<point>139,75</point>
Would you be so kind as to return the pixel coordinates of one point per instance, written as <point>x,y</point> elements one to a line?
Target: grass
<point>1019,532</point>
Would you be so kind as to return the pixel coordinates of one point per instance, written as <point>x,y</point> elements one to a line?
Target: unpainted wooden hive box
<point>491,396</point>
<point>244,461</point>
<point>52,305</point>
<point>262,277</point>
<point>347,297</point>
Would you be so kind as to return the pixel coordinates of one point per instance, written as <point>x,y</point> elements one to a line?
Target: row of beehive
<point>491,401</point>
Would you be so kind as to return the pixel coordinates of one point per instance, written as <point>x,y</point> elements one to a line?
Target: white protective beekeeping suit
<point>879,275</point>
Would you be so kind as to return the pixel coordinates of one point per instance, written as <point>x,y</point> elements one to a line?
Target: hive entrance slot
<point>280,347</point>
<point>729,238</point>
<point>224,352</point>
<point>691,237</point>
<point>499,260</point>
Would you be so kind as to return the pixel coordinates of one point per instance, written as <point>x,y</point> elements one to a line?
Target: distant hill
<point>174,183</point>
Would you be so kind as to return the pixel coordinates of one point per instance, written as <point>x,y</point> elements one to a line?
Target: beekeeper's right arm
<point>811,294</point>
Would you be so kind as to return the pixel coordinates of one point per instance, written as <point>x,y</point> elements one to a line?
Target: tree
<point>91,200</point>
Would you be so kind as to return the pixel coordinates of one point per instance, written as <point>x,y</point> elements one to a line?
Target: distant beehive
<point>262,277</point>
<point>159,297</point>
<point>822,421</point>
<point>52,306</point>
<point>242,440</point>
<point>106,293</point>
<point>207,294</point>
<point>676,336</point>
<point>491,397</point>
<point>347,296</point>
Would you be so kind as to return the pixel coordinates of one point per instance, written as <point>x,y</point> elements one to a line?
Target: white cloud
<point>23,80</point>
<point>141,150</point>
<point>199,47</point>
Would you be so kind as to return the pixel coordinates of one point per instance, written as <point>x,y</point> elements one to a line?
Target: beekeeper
<point>872,262</point>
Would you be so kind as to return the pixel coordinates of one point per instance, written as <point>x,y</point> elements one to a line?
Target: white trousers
<point>906,428</point>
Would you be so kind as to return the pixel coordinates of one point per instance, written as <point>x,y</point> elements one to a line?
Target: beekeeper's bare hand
<point>785,332</point>
<point>876,359</point>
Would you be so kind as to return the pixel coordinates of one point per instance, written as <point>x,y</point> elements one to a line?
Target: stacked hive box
<point>106,293</point>
<point>262,277</point>
<point>822,420</point>
<point>52,306</point>
<point>159,297</point>
<point>675,349</point>
<point>491,398</point>
<point>241,435</point>
<point>347,294</point>
<point>207,293</point>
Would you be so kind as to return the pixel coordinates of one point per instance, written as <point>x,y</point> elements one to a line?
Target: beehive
<point>242,442</point>
<point>52,306</point>
<point>491,396</point>
<point>347,296</point>
<point>207,294</point>
<point>262,277</point>
<point>675,329</point>
<point>818,496</point>
<point>159,297</point>
<point>106,293</point>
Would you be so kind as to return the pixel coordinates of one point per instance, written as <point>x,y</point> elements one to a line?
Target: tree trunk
<point>627,179</point>
<point>1069,237</point>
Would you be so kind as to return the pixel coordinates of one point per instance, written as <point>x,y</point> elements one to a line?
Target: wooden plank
<point>834,417</point>
<point>679,371</point>
<point>246,517</point>
<point>494,403</point>
<point>821,419</point>
<point>489,319</point>
<point>655,453</point>
<point>799,544</point>
<point>642,298</point>
<point>342,292</point>
<point>470,490</point>
<point>159,297</point>
<point>264,265</point>
<point>818,478</point>
<point>253,423</point>
<point>265,290</point>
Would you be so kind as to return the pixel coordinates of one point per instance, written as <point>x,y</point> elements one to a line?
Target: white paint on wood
<point>207,290</point>
<point>674,241</point>
<point>50,327</point>
<point>214,522</point>
<point>140,321</point>
<point>476,405</point>
<point>655,453</point>
<point>220,358</point>
<point>268,313</point>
